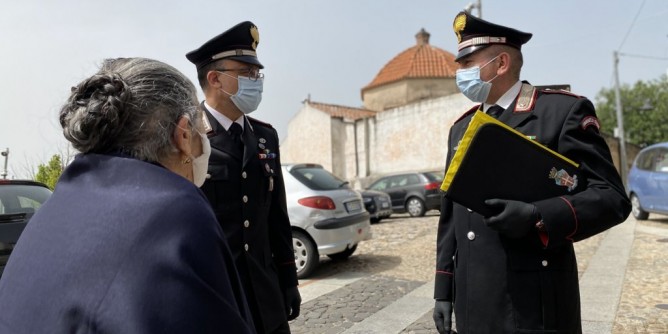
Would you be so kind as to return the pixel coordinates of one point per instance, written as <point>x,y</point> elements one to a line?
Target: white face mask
<point>201,163</point>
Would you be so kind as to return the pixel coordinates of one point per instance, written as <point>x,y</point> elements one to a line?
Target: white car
<point>327,216</point>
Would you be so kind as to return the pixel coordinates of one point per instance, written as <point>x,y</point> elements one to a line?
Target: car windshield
<point>22,198</point>
<point>434,176</point>
<point>318,178</point>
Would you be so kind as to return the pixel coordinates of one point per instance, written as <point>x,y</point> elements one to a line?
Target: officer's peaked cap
<point>238,43</point>
<point>474,34</point>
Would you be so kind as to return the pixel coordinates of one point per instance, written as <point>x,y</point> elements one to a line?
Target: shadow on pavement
<point>366,263</point>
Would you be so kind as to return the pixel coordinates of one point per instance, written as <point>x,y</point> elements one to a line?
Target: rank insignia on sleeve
<point>561,178</point>
<point>590,121</point>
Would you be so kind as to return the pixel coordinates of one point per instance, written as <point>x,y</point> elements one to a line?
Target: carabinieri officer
<point>515,271</point>
<point>245,186</point>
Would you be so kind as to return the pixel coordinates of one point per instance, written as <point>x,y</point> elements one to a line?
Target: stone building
<point>407,111</point>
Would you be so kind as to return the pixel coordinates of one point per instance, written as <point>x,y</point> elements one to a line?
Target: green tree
<point>49,173</point>
<point>645,111</point>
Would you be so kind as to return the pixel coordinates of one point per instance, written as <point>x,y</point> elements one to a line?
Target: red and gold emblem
<point>561,178</point>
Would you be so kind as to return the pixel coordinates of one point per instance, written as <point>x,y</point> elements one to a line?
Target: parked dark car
<point>648,181</point>
<point>414,192</point>
<point>377,203</point>
<point>19,199</point>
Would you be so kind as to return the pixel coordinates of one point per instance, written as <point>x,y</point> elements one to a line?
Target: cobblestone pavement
<point>401,257</point>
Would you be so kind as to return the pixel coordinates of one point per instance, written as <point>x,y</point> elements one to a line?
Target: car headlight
<point>367,199</point>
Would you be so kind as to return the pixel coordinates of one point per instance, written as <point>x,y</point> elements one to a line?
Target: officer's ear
<point>212,78</point>
<point>504,60</point>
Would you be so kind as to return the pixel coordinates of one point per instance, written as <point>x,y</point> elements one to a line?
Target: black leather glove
<point>443,316</point>
<point>514,218</point>
<point>293,301</point>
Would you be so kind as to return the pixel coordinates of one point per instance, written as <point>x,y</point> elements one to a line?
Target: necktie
<point>495,111</point>
<point>235,131</point>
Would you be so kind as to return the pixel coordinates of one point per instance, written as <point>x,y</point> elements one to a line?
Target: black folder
<point>495,161</point>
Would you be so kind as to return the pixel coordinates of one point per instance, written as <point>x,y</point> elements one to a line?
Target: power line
<point>632,24</point>
<point>642,56</point>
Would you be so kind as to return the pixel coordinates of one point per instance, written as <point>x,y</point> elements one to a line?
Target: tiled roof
<point>420,61</point>
<point>341,111</point>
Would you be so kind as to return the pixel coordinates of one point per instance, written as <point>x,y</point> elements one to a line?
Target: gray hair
<point>130,105</point>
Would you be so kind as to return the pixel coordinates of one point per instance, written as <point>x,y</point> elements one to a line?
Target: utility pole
<point>5,154</point>
<point>620,122</point>
<point>477,5</point>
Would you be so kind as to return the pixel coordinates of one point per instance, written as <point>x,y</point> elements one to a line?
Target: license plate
<point>385,205</point>
<point>353,206</point>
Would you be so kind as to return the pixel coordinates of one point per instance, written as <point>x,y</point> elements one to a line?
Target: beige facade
<point>309,138</point>
<point>411,137</point>
<point>404,92</point>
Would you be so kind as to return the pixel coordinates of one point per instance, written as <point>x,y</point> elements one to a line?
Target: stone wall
<point>631,152</point>
<point>412,137</point>
<point>309,138</point>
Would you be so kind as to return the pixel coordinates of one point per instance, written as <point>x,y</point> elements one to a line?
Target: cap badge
<point>561,178</point>
<point>459,25</point>
<point>256,37</point>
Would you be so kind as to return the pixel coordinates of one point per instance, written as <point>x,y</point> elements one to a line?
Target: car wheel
<point>343,255</point>
<point>636,210</point>
<point>375,220</point>
<point>306,254</point>
<point>415,207</point>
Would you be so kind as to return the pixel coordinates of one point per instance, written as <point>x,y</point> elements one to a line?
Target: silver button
<point>470,235</point>
<point>544,263</point>
<point>246,223</point>
<point>246,247</point>
<point>245,199</point>
<point>469,210</point>
<point>243,174</point>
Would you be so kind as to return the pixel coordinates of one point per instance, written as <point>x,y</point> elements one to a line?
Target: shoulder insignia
<point>590,121</point>
<point>470,111</point>
<point>254,120</point>
<point>559,91</point>
<point>526,99</point>
<point>207,125</point>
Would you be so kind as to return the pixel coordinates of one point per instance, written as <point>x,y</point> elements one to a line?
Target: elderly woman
<point>127,243</point>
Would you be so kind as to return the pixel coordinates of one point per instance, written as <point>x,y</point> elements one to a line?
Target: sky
<point>327,50</point>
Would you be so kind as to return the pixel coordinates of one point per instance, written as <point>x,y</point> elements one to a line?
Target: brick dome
<point>420,61</point>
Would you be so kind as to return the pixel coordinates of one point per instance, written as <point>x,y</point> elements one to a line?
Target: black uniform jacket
<point>122,246</point>
<point>247,193</point>
<point>503,285</point>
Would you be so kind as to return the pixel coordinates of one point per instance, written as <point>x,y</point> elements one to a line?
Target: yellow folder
<point>494,160</point>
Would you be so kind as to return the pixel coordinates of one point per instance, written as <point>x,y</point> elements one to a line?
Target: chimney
<point>422,37</point>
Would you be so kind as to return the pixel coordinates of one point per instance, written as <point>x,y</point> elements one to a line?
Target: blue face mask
<point>249,94</point>
<point>469,83</point>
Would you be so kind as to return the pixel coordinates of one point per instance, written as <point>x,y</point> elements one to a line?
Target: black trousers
<point>282,329</point>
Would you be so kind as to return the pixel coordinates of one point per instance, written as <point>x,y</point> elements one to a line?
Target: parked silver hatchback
<point>327,216</point>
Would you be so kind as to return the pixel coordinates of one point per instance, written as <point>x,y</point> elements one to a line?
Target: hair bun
<point>96,112</point>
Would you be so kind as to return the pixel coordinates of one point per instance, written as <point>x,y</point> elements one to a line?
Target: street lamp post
<point>477,5</point>
<point>5,154</point>
<point>620,122</point>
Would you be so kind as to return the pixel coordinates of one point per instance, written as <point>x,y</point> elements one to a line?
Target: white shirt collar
<point>222,119</point>
<point>506,99</point>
